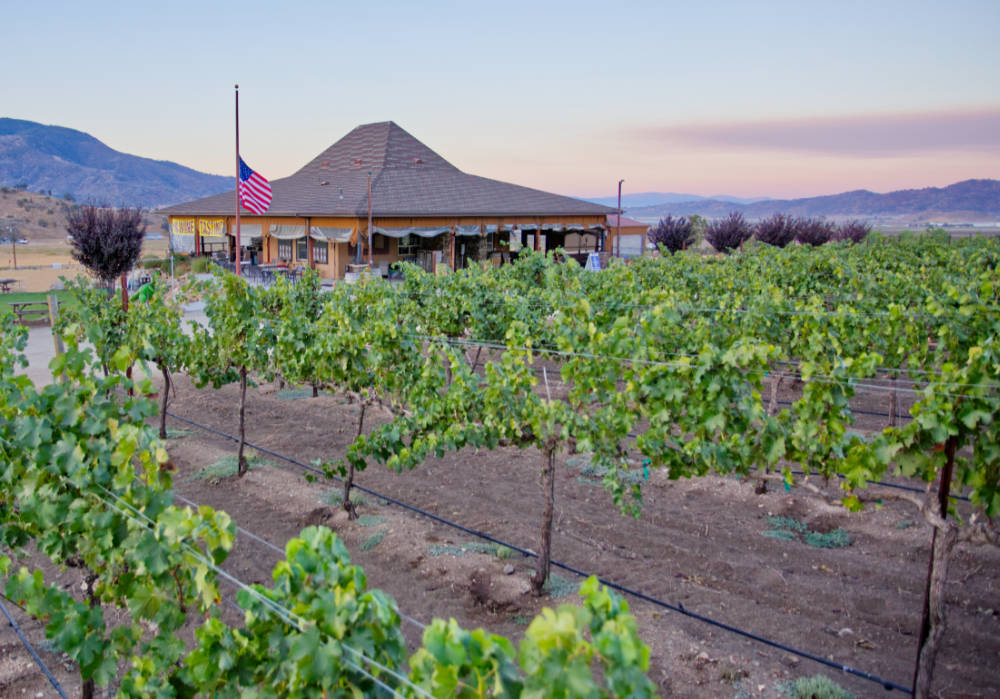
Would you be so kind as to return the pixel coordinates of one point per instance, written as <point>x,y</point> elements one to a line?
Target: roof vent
<point>325,163</point>
<point>357,161</point>
<point>417,161</point>
<point>323,182</point>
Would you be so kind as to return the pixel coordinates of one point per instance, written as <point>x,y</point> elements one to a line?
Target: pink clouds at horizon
<point>866,135</point>
<point>781,158</point>
<point>810,156</point>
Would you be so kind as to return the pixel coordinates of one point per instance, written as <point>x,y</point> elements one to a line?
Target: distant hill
<point>644,199</point>
<point>61,160</point>
<point>968,201</point>
<point>41,219</point>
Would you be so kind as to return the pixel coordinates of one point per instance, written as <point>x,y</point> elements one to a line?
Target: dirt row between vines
<point>700,543</point>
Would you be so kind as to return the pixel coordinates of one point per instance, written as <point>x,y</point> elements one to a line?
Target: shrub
<point>672,233</point>
<point>855,231</point>
<point>779,230</point>
<point>814,231</point>
<point>199,265</point>
<point>727,233</point>
<point>156,263</point>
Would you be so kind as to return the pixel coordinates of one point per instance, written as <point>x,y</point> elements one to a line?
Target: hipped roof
<point>408,179</point>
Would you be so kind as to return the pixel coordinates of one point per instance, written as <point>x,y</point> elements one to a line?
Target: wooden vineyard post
<point>53,319</point>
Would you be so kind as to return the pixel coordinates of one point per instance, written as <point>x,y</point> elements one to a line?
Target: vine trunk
<point>543,563</point>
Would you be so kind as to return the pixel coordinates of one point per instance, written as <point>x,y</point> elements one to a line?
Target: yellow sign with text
<point>211,227</point>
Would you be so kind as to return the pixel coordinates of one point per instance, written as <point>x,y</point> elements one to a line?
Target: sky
<point>778,99</point>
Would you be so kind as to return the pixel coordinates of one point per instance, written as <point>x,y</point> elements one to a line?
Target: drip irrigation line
<point>679,608</point>
<point>263,450</point>
<point>33,652</point>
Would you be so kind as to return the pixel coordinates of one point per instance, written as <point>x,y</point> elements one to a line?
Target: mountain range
<point>61,161</point>
<point>643,199</point>
<point>966,201</point>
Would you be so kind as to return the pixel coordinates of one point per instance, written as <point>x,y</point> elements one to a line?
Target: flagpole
<point>239,250</point>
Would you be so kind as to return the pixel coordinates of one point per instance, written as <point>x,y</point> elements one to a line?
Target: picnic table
<point>30,310</point>
<point>5,285</point>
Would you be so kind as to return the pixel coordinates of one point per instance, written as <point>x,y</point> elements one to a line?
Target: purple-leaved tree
<point>778,230</point>
<point>728,233</point>
<point>105,240</point>
<point>672,233</point>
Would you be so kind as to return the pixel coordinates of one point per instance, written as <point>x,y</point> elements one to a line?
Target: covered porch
<point>331,246</point>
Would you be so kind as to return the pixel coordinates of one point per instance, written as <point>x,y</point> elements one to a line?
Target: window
<point>320,252</point>
<point>498,242</point>
<point>285,250</point>
<point>380,244</point>
<point>302,249</point>
<point>408,245</point>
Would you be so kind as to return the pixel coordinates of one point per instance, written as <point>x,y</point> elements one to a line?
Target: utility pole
<point>13,242</point>
<point>618,232</point>
<point>371,263</point>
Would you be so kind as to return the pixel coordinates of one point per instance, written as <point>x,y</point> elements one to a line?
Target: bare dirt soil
<point>699,543</point>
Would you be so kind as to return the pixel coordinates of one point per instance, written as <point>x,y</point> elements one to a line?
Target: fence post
<point>53,317</point>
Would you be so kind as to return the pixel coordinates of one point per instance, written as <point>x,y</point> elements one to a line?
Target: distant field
<point>41,220</point>
<point>954,231</point>
<point>40,265</point>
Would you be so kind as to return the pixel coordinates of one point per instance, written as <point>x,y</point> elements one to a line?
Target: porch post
<point>309,243</point>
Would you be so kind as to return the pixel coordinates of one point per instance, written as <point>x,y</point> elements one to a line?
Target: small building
<point>633,236</point>
<point>422,208</point>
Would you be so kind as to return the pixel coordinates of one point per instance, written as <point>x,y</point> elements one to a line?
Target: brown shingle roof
<point>408,179</point>
<point>626,222</point>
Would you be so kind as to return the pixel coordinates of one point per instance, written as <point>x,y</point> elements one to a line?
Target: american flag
<point>255,191</point>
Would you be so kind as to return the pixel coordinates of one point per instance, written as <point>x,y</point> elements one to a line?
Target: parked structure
<point>422,209</point>
<point>633,236</point>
